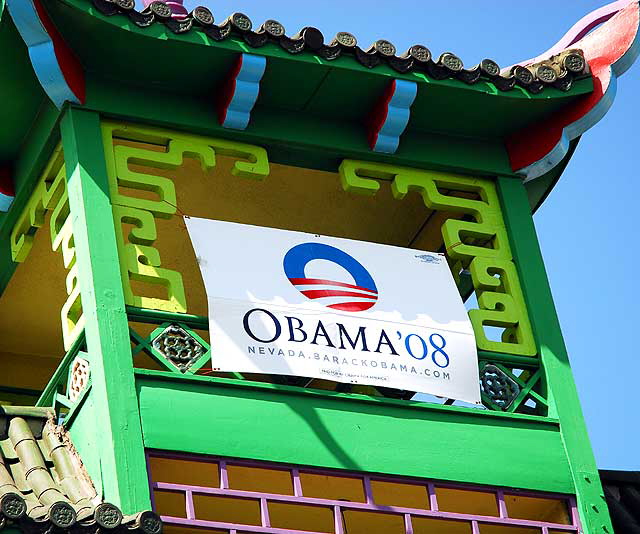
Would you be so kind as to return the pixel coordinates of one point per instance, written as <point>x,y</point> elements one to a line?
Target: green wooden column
<point>120,446</point>
<point>563,394</point>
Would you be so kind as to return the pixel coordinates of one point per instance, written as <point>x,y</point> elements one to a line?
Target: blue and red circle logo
<point>358,294</point>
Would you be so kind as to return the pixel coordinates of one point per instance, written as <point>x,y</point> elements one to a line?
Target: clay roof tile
<point>43,483</point>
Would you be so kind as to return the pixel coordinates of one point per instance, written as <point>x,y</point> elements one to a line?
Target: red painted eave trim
<point>6,181</point>
<point>603,48</point>
<point>379,114</point>
<point>228,90</point>
<point>69,64</point>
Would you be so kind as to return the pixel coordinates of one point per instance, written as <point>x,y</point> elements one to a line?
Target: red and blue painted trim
<point>610,41</point>
<point>58,70</point>
<point>391,116</point>
<point>7,193</point>
<point>241,91</point>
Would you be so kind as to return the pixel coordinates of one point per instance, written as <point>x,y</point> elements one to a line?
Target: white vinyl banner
<point>299,304</point>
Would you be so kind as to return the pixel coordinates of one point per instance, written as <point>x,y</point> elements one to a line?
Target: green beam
<point>563,396</point>
<point>274,423</point>
<point>144,315</point>
<point>120,445</point>
<point>293,138</point>
<point>252,389</point>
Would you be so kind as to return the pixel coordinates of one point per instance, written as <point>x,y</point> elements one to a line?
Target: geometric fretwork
<point>474,235</point>
<point>140,197</point>
<point>224,495</point>
<point>498,386</point>
<point>174,346</point>
<point>50,196</point>
<point>512,387</point>
<point>477,243</point>
<point>79,375</point>
<point>178,346</point>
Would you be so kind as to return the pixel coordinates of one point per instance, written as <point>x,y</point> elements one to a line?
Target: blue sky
<point>585,226</point>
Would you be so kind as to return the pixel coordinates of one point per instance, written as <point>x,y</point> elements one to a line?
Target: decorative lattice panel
<point>225,495</point>
<point>180,345</point>
<point>512,387</point>
<point>174,346</point>
<point>79,375</point>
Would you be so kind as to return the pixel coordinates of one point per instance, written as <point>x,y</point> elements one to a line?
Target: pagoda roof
<point>558,72</point>
<point>44,485</point>
<point>317,101</point>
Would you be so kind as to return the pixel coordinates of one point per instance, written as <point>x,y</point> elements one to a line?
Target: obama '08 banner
<point>298,304</point>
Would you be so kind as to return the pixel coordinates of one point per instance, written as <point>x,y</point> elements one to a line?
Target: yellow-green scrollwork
<point>479,244</point>
<point>139,198</point>
<point>50,195</point>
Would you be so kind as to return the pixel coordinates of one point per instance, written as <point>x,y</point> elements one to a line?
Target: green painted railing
<point>520,375</point>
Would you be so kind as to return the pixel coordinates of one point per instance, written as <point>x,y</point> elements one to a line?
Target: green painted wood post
<point>564,396</point>
<point>120,444</point>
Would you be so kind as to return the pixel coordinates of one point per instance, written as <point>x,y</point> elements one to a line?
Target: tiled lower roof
<point>44,486</point>
<point>559,72</point>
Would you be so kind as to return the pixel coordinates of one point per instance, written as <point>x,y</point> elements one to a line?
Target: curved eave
<point>538,190</point>
<point>305,102</point>
<point>194,65</point>
<point>610,40</point>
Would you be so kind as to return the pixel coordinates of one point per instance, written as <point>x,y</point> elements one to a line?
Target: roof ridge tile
<point>532,78</point>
